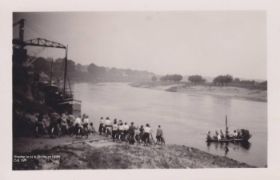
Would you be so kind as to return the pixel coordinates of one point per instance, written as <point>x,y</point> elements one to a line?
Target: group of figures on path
<point>57,125</point>
<point>121,131</point>
<point>64,124</point>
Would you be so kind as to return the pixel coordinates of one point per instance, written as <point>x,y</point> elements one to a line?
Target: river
<point>184,118</point>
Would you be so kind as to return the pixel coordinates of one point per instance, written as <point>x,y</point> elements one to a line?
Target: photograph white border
<point>272,8</point>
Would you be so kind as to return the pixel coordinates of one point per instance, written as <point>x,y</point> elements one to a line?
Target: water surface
<point>184,118</point>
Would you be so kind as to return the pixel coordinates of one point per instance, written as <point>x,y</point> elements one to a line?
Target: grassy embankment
<point>100,153</point>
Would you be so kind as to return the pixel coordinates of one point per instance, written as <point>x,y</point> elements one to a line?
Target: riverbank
<point>219,91</point>
<point>98,152</point>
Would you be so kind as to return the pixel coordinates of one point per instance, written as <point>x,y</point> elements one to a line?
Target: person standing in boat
<point>222,134</point>
<point>208,136</point>
<point>235,134</point>
<point>218,136</point>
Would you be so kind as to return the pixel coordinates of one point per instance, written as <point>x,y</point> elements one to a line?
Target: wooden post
<point>21,32</point>
<point>65,71</point>
<point>51,73</point>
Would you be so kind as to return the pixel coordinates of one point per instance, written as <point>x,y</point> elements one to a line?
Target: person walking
<point>125,131</point>
<point>159,136</point>
<point>146,136</point>
<point>100,129</point>
<point>108,126</point>
<point>115,129</point>
<point>78,125</point>
<point>131,133</point>
<point>121,132</point>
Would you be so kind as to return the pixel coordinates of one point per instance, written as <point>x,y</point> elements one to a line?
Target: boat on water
<point>240,135</point>
<point>225,140</point>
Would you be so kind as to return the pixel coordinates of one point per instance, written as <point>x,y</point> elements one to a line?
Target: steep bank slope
<point>100,153</point>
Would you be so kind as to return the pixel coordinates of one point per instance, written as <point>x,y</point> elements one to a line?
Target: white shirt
<point>121,127</point>
<point>86,120</point>
<point>115,127</point>
<point>108,122</point>
<point>147,129</point>
<point>72,118</point>
<point>125,127</point>
<point>63,118</point>
<point>219,137</point>
<point>78,121</point>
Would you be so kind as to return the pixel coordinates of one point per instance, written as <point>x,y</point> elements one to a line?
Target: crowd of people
<point>56,125</point>
<point>121,131</point>
<point>64,124</point>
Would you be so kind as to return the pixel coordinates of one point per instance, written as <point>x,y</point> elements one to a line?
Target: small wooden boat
<point>225,140</point>
<point>242,136</point>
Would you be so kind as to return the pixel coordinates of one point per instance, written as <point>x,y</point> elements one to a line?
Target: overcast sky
<point>190,42</point>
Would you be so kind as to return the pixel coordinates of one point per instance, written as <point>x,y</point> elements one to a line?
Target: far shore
<point>218,91</point>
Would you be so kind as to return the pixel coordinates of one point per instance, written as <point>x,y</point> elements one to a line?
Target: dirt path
<point>28,144</point>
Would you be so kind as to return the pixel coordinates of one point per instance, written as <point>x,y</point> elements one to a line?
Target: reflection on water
<point>185,118</point>
<point>226,147</point>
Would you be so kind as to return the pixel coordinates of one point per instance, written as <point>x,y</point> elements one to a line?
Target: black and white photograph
<point>139,90</point>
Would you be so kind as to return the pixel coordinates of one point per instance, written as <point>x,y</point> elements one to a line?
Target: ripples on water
<point>184,118</point>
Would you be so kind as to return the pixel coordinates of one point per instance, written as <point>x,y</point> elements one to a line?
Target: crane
<point>39,42</point>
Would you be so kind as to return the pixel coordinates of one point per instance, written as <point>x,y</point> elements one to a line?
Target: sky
<point>208,43</point>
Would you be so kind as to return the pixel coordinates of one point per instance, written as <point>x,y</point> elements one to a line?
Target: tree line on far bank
<point>54,69</point>
<point>220,80</point>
